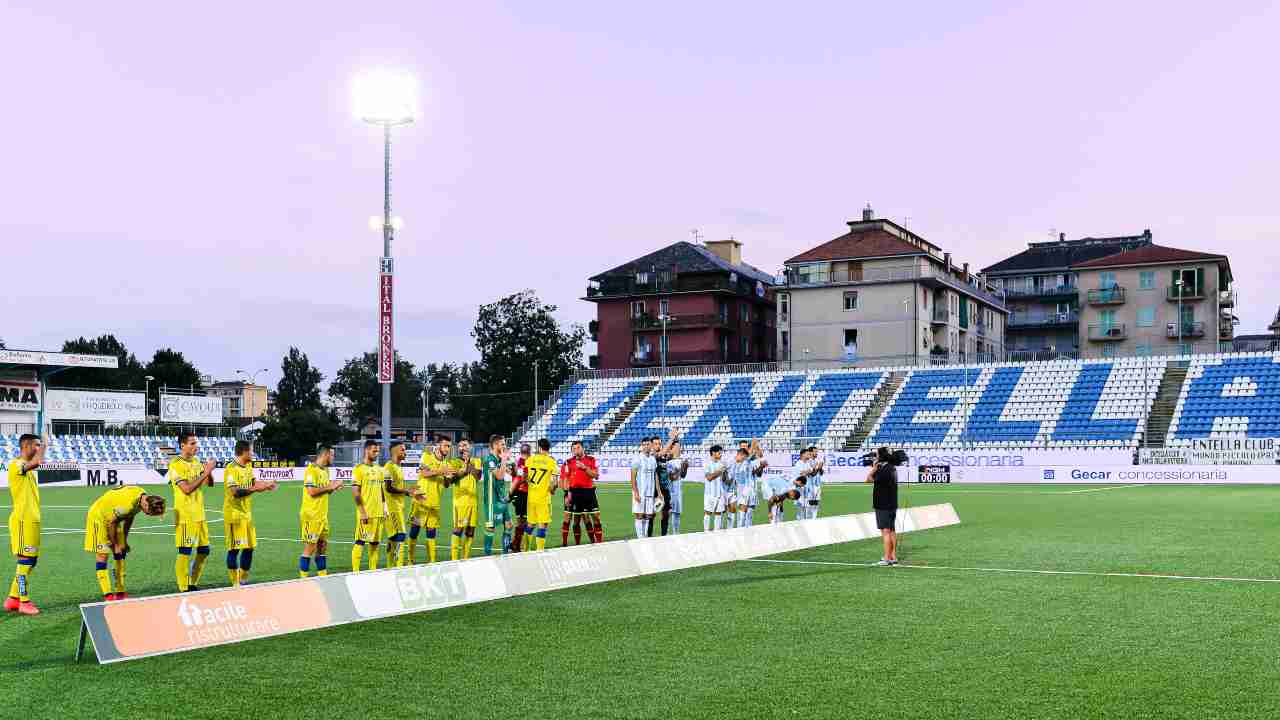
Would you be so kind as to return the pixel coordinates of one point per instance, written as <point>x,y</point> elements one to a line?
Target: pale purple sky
<point>195,178</point>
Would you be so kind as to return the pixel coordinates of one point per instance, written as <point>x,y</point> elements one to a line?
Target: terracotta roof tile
<point>859,244</point>
<point>1148,255</point>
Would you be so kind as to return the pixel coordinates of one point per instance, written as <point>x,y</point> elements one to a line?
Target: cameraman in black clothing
<point>884,499</point>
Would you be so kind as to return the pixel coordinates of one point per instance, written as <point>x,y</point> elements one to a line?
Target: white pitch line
<point>1025,571</point>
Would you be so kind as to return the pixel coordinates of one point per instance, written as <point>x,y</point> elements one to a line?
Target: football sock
<point>197,567</point>
<point>648,527</point>
<point>467,542</point>
<point>716,520</point>
<point>357,554</point>
<point>528,537</point>
<point>675,523</point>
<point>304,566</point>
<point>454,542</point>
<point>182,568</point>
<point>564,531</point>
<point>506,541</point>
<point>518,540</point>
<point>233,566</point>
<point>706,523</point>
<point>541,534</point>
<point>488,541</point>
<point>577,532</point>
<point>119,573</point>
<point>373,556</point>
<point>431,544</point>
<point>666,522</point>
<point>402,554</point>
<point>25,566</point>
<point>322,565</point>
<point>639,528</point>
<point>104,580</point>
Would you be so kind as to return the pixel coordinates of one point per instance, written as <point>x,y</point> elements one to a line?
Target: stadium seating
<point>1079,404</point>
<point>1228,397</point>
<point>116,449</point>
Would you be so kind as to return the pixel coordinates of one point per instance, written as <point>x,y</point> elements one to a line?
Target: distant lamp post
<point>253,381</point>
<point>664,318</point>
<point>146,398</point>
<point>386,98</point>
<point>1178,284</point>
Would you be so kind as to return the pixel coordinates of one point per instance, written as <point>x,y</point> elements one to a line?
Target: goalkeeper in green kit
<point>496,494</point>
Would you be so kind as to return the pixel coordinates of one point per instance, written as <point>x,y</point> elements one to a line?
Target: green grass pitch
<point>960,632</point>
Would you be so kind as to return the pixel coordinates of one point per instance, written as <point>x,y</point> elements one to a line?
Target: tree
<point>299,386</point>
<point>170,368</point>
<point>514,335</point>
<point>357,384</point>
<point>129,376</point>
<point>294,435</point>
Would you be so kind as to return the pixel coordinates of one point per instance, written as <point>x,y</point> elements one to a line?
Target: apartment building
<point>880,293</point>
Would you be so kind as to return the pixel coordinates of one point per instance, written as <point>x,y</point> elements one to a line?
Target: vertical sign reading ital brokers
<point>386,346</point>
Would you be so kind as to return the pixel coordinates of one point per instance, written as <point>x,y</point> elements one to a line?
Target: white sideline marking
<point>1024,571</point>
<point>1097,489</point>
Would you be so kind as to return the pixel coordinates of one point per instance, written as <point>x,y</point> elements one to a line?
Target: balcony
<point>933,276</point>
<point>1018,321</point>
<point>1184,294</point>
<point>678,322</point>
<point>1227,298</point>
<point>941,316</point>
<point>981,328</point>
<point>1108,333</point>
<point>1194,329</point>
<point>697,357</point>
<point>1106,296</point>
<point>1055,293</point>
<point>669,283</point>
<point>1226,331</point>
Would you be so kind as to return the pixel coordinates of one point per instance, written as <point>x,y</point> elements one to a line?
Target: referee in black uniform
<point>884,499</point>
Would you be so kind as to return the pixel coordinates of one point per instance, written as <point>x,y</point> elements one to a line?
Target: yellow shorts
<point>539,511</point>
<point>96,540</point>
<point>24,537</point>
<point>426,516</point>
<point>372,531</point>
<point>315,530</point>
<point>395,521</point>
<point>191,534</point>
<point>464,515</point>
<point>240,535</point>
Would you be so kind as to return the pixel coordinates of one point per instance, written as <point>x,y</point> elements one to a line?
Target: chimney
<point>946,260</point>
<point>868,213</point>
<point>1062,237</point>
<point>966,272</point>
<point>728,250</point>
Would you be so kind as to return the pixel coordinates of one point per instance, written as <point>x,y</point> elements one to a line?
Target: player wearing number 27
<point>543,473</point>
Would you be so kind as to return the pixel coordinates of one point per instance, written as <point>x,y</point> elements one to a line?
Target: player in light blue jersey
<point>677,467</point>
<point>748,464</point>
<point>713,492</point>
<point>813,486</point>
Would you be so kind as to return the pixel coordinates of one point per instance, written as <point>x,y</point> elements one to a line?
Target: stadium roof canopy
<point>45,364</point>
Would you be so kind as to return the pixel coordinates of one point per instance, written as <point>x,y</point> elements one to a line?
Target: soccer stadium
<point>638,414</point>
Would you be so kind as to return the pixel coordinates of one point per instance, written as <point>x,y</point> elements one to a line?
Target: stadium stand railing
<point>1097,403</point>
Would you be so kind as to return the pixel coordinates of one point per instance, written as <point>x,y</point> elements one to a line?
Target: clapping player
<point>239,487</point>
<point>465,480</point>
<point>188,478</point>
<point>314,515</point>
<point>395,490</point>
<point>24,521</point>
<point>433,474</point>
<point>369,494</point>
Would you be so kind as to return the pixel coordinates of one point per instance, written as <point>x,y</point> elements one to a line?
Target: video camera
<point>896,458</point>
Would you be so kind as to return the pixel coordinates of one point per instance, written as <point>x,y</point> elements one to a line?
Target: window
<point>851,300</point>
<point>850,343</point>
<point>746,313</point>
<point>724,348</point>
<point>1109,350</point>
<point>1143,350</point>
<point>746,348</point>
<point>642,347</point>
<point>642,278</point>
<point>637,308</point>
<point>663,307</point>
<point>786,340</point>
<point>1146,280</point>
<point>1107,318</point>
<point>1187,314</point>
<point>784,304</point>
<point>1146,316</point>
<point>663,347</point>
<point>724,312</point>
<point>1107,280</point>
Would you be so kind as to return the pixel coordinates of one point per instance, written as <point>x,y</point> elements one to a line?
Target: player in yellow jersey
<point>188,478</point>
<point>434,475</point>
<point>24,521</point>
<point>371,506</point>
<point>314,516</point>
<point>543,474</point>
<point>106,532</point>
<point>467,471</point>
<point>238,488</point>
<point>396,491</point>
